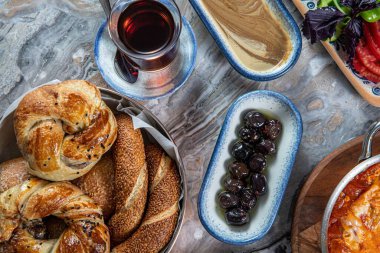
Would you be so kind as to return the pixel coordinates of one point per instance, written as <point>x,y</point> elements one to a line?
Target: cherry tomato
<point>375,31</point>
<point>374,48</point>
<point>368,60</point>
<point>364,72</point>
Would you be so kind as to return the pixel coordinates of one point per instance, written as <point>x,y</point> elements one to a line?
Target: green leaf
<point>339,29</point>
<point>343,9</point>
<point>325,3</point>
<point>371,15</point>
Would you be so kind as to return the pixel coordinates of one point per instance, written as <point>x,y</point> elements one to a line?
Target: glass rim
<point>119,7</point>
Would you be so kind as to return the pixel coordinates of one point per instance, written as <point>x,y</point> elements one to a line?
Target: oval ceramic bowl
<point>283,15</point>
<point>279,168</point>
<point>367,89</point>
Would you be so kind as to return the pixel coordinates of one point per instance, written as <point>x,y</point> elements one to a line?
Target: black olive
<point>266,147</point>
<point>233,185</point>
<point>250,136</point>
<point>241,151</point>
<point>248,198</point>
<point>254,119</point>
<point>228,200</point>
<point>237,216</point>
<point>238,170</point>
<point>259,184</point>
<point>272,129</point>
<point>257,163</point>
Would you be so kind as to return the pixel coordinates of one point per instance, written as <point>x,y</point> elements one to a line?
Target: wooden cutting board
<point>316,192</point>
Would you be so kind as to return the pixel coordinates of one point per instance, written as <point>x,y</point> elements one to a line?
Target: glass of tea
<point>146,34</point>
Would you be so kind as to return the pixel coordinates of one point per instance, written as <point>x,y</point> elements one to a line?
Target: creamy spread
<point>251,31</point>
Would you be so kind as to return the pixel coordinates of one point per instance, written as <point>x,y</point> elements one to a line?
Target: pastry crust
<point>62,130</point>
<point>163,206</point>
<point>131,180</point>
<point>33,199</point>
<point>13,172</point>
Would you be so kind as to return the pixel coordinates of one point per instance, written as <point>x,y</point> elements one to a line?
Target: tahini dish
<point>257,39</point>
<point>237,27</point>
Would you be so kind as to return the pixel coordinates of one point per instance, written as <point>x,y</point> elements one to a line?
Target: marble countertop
<point>41,40</point>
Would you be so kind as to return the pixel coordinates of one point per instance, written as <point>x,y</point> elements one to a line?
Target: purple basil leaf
<point>365,5</point>
<point>347,3</point>
<point>320,24</point>
<point>358,6</point>
<point>350,36</point>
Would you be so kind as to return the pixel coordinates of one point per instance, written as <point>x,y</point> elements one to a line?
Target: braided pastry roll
<point>62,130</point>
<point>23,205</point>
<point>131,180</point>
<point>162,213</point>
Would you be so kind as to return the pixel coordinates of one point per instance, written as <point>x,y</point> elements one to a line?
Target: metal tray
<point>9,149</point>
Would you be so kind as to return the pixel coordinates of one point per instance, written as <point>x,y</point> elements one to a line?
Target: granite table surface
<point>41,40</point>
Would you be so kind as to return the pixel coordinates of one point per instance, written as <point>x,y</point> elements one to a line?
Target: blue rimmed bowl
<point>278,170</point>
<point>283,16</point>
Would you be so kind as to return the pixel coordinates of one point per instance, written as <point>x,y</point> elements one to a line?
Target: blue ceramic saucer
<point>150,84</point>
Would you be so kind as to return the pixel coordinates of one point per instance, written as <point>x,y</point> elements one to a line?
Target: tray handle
<point>367,143</point>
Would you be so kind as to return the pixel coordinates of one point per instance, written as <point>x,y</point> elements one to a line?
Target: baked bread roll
<point>163,206</point>
<point>98,184</point>
<point>13,172</point>
<point>23,205</point>
<point>63,129</point>
<point>131,180</point>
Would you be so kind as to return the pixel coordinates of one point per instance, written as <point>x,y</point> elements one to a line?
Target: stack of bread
<point>86,181</point>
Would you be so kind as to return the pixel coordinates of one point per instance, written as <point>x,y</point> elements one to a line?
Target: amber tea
<point>146,27</point>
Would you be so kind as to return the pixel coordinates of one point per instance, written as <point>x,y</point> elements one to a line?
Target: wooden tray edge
<point>315,172</point>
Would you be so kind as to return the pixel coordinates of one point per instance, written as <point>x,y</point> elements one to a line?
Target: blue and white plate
<point>286,19</point>
<point>277,172</point>
<point>152,84</point>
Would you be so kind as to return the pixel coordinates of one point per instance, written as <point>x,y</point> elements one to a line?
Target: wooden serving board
<point>316,192</point>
